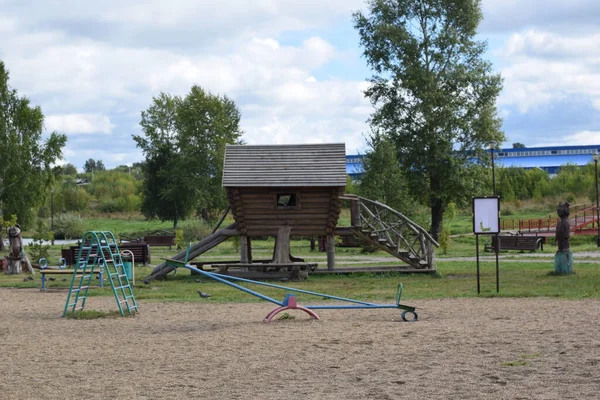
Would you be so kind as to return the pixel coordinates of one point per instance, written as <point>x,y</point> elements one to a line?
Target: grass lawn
<point>455,278</point>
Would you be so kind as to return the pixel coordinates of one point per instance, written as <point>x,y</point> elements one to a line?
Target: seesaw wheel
<point>409,316</point>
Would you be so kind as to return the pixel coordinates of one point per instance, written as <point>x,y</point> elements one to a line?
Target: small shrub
<point>37,249</point>
<point>571,198</point>
<point>68,226</point>
<point>195,230</point>
<point>179,240</point>
<point>506,211</point>
<point>236,243</point>
<point>285,316</point>
<point>110,206</point>
<point>444,240</point>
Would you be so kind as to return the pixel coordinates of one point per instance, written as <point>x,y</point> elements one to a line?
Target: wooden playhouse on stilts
<point>286,191</point>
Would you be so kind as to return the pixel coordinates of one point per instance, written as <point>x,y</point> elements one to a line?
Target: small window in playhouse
<point>286,200</point>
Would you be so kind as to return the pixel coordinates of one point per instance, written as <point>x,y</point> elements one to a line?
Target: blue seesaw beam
<point>359,304</point>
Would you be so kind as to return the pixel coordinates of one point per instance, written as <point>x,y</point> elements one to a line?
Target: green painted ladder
<point>99,251</point>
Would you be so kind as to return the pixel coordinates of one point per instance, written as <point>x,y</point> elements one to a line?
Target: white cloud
<point>79,123</point>
<point>545,67</point>
<point>582,138</point>
<point>557,15</point>
<point>94,69</point>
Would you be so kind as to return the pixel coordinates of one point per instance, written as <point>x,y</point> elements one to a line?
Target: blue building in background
<point>549,158</point>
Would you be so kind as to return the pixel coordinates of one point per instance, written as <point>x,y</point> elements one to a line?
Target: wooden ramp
<point>202,246</point>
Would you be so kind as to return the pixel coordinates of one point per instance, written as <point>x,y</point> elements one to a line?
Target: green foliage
<point>70,197</point>
<point>38,249</point>
<point>67,169</point>
<point>68,226</point>
<point>116,191</point>
<point>435,96</point>
<point>194,230</point>
<point>236,243</point>
<point>92,166</point>
<point>179,240</point>
<point>10,221</point>
<point>26,168</point>
<point>383,179</point>
<point>571,182</point>
<point>93,314</point>
<point>444,239</point>
<point>184,142</point>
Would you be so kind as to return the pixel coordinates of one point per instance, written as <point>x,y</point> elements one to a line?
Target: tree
<point>518,145</point>
<point>184,143</point>
<point>26,165</point>
<point>92,166</point>
<point>67,169</point>
<point>383,179</point>
<point>434,95</point>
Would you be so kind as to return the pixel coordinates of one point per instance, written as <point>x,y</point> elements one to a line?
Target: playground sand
<point>460,349</point>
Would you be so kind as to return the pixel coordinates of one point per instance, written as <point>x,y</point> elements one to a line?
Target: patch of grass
<point>516,363</point>
<point>92,314</point>
<point>521,361</point>
<point>533,355</point>
<point>285,316</point>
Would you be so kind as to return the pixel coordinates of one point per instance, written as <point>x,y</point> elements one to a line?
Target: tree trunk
<point>437,218</point>
<point>282,245</point>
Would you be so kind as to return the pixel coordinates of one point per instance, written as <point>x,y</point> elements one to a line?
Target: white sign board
<point>486,215</point>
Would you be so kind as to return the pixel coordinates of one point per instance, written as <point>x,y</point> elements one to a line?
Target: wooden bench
<point>69,272</point>
<point>141,252</point>
<point>516,242</point>
<point>160,240</point>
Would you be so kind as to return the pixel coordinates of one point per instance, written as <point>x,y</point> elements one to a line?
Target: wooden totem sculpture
<point>17,255</point>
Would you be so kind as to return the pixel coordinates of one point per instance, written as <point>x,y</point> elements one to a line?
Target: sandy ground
<point>459,349</point>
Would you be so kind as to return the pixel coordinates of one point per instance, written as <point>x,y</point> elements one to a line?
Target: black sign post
<point>486,221</point>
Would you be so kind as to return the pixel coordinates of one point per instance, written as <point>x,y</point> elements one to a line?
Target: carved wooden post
<point>330,252</point>
<point>17,255</point>
<point>13,260</point>
<point>563,259</point>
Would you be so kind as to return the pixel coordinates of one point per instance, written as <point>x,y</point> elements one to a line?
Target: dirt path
<point>460,349</point>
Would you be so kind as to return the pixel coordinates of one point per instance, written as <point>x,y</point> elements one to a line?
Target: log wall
<point>256,212</point>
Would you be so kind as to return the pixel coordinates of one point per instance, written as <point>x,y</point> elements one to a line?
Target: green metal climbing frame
<point>99,250</point>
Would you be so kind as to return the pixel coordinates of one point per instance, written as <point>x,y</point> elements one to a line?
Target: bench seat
<point>516,242</point>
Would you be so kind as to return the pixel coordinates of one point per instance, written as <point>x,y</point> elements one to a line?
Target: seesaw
<point>289,302</point>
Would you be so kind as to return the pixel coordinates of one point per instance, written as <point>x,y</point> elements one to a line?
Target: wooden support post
<point>244,249</point>
<point>355,213</point>
<point>249,250</point>
<point>330,252</point>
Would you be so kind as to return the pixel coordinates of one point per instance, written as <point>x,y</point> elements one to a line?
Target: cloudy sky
<point>293,67</point>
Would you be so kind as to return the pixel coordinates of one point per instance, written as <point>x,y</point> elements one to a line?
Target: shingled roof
<point>285,165</point>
